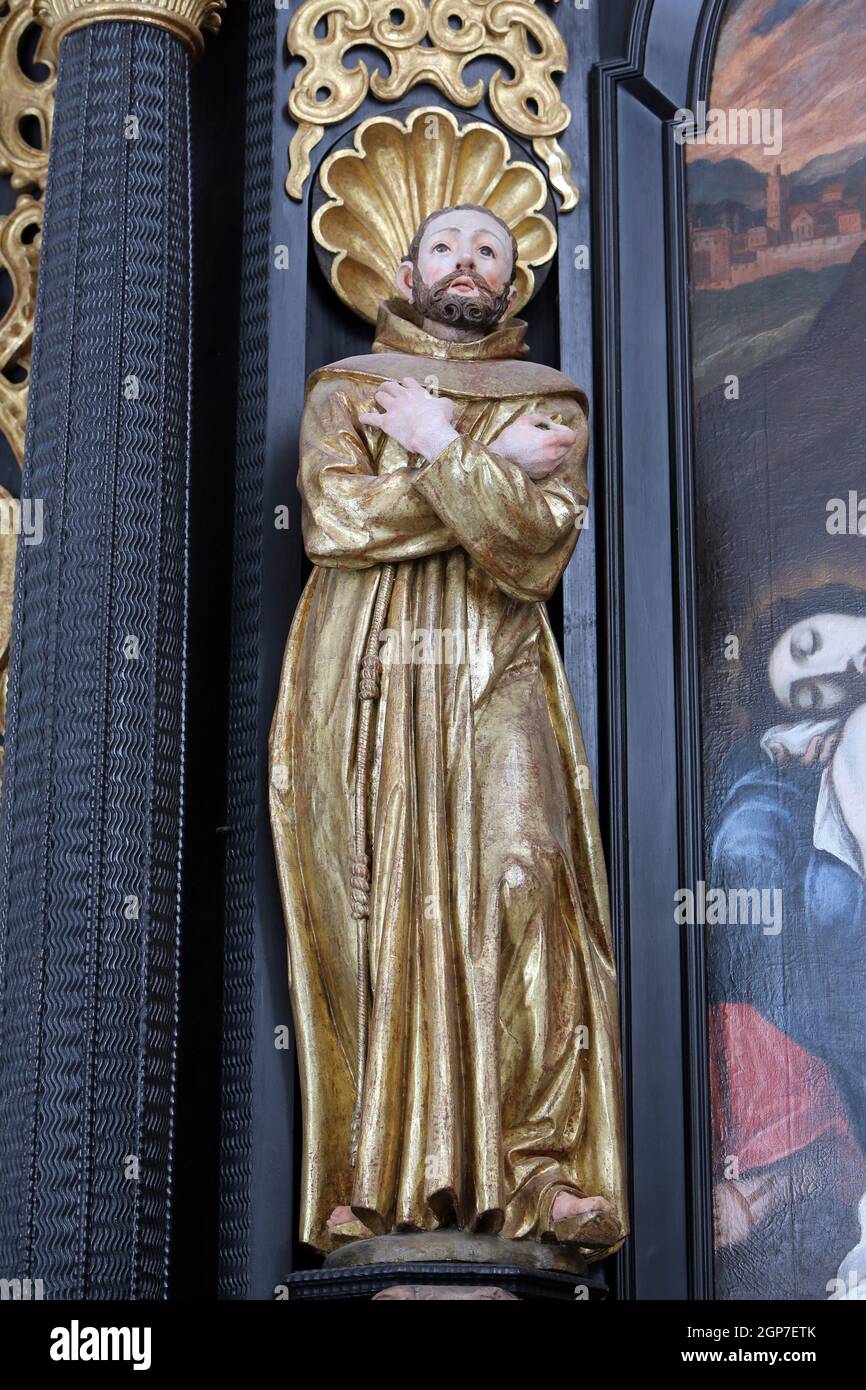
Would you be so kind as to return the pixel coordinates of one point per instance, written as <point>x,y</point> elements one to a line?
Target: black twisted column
<point>93,795</point>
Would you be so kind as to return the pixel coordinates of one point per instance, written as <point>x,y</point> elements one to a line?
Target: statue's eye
<point>486,251</point>
<point>441,246</point>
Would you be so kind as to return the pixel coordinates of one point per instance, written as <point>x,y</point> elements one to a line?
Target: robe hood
<point>492,366</point>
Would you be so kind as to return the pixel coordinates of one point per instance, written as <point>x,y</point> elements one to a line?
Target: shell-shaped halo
<point>377,192</point>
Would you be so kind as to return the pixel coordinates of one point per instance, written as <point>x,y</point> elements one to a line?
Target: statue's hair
<point>415,244</point>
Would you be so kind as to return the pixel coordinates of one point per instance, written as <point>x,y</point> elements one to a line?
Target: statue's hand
<point>535,443</point>
<point>417,420</point>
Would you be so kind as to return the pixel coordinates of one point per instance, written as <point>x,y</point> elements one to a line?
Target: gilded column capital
<point>188,19</point>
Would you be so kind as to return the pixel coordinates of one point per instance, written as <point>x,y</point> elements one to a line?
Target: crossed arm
<point>422,424</point>
<point>514,505</point>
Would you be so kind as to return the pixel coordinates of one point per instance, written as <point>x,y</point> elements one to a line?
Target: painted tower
<point>777,202</point>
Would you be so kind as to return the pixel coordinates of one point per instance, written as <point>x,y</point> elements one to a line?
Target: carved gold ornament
<point>19,258</point>
<point>188,19</point>
<point>429,42</point>
<point>379,190</point>
<point>23,97</point>
<point>26,101</point>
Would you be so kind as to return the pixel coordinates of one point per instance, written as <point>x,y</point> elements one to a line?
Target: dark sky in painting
<point>794,439</point>
<point>806,58</point>
<point>777,14</point>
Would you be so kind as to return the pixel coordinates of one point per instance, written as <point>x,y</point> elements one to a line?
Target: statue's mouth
<point>462,298</point>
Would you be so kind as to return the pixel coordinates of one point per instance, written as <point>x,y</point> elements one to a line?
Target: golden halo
<point>397,172</point>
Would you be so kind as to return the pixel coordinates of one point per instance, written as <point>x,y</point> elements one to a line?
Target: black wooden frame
<point>653,772</point>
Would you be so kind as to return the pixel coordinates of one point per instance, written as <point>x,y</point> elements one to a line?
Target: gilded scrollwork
<point>429,43</point>
<point>23,98</point>
<point>19,258</point>
<point>26,108</point>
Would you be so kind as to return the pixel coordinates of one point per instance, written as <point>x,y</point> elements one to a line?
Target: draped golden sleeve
<point>492,1074</point>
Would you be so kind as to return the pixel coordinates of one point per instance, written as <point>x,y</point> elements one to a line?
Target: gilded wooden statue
<point>437,840</point>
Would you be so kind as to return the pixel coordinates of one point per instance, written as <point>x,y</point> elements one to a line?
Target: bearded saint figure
<point>437,841</point>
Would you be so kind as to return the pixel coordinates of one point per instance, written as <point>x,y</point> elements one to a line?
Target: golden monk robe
<point>448,468</point>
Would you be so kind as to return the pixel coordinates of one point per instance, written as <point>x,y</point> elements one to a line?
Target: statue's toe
<point>590,1222</point>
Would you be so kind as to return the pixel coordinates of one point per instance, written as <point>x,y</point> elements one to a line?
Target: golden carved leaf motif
<point>26,108</point>
<point>23,98</point>
<point>432,42</point>
<point>187,19</point>
<point>19,258</point>
<point>396,173</point>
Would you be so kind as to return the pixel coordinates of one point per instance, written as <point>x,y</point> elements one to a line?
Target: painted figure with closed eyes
<point>792,819</point>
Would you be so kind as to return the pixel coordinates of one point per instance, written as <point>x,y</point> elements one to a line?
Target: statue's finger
<point>554,448</point>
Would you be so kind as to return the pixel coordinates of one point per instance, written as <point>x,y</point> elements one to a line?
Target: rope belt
<point>369,685</point>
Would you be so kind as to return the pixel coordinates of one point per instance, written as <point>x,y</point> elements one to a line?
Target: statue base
<point>450,1260</point>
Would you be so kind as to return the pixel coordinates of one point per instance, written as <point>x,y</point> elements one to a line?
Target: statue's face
<point>819,663</point>
<point>462,276</point>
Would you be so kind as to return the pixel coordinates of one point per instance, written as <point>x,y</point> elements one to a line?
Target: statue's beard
<point>456,310</point>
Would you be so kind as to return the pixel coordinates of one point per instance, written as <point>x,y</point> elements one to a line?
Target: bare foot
<point>567,1204</point>
<point>588,1221</point>
<point>339,1217</point>
<point>344,1225</point>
